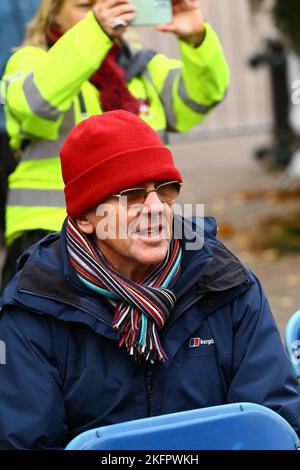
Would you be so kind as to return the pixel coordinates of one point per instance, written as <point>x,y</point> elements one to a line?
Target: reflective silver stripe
<point>36,198</point>
<point>167,98</point>
<point>37,103</point>
<point>44,149</point>
<point>12,78</point>
<point>2,97</point>
<point>7,82</point>
<point>197,107</point>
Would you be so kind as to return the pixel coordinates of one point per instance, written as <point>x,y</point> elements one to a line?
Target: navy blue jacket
<point>65,374</point>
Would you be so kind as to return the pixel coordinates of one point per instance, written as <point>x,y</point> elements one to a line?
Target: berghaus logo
<point>197,342</point>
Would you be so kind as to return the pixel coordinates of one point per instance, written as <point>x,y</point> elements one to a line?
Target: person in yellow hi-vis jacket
<point>76,63</point>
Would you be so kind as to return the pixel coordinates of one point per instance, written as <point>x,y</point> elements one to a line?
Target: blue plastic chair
<point>292,341</point>
<point>238,426</point>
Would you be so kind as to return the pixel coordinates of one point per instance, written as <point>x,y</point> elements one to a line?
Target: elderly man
<point>114,319</point>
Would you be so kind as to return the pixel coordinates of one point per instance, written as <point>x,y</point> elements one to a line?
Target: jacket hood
<point>47,283</point>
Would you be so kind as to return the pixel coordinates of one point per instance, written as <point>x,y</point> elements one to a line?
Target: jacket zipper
<point>83,110</point>
<point>149,392</point>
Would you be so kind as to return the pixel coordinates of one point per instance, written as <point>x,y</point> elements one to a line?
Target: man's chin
<point>151,253</point>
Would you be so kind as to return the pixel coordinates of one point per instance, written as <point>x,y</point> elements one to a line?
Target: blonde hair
<point>36,33</point>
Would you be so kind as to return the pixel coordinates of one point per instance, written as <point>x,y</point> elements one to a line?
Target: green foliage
<point>286,15</point>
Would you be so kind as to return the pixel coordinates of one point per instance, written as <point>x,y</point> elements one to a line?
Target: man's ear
<point>84,224</point>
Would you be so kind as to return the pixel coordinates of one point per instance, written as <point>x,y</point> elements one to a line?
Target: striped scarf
<point>142,308</point>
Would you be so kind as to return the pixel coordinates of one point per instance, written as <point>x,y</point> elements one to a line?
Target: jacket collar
<point>134,59</point>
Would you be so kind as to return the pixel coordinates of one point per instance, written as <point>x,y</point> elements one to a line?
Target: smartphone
<point>152,12</point>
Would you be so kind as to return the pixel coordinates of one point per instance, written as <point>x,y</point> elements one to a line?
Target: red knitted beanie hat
<point>108,153</point>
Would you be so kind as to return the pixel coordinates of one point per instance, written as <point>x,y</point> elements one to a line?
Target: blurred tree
<point>286,14</point>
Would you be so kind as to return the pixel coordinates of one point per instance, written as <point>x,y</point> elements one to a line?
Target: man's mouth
<point>150,231</point>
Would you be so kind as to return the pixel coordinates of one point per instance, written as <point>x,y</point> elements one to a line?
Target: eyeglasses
<point>166,192</point>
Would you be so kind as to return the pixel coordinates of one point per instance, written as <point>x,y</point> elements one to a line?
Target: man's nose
<point>153,203</point>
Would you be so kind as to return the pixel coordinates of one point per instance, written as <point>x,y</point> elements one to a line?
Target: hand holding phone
<point>114,15</point>
<point>187,23</point>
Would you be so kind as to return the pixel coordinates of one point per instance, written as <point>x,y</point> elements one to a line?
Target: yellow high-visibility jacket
<point>47,93</point>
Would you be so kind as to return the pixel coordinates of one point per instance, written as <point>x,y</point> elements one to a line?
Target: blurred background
<point>243,162</point>
<point>238,161</point>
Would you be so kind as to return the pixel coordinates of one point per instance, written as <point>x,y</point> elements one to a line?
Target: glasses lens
<point>168,192</point>
<point>134,195</point>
